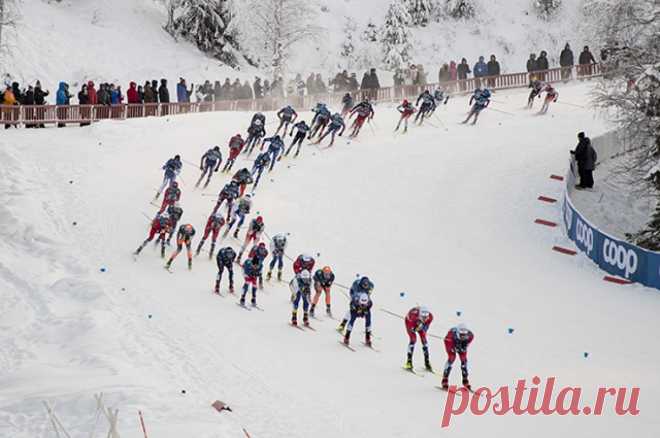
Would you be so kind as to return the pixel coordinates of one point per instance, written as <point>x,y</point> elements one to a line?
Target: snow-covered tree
<point>546,9</point>
<point>370,32</point>
<point>420,11</point>
<point>459,9</point>
<point>206,23</point>
<point>269,29</point>
<point>630,93</point>
<point>396,37</point>
<point>348,45</point>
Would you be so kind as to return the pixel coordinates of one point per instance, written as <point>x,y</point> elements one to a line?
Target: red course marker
<point>544,222</point>
<point>546,199</point>
<point>564,250</point>
<point>616,280</point>
<point>557,177</point>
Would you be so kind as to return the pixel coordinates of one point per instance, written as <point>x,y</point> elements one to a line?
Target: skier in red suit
<point>456,342</point>
<point>417,322</point>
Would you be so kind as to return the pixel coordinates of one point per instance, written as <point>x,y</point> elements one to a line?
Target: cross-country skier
<point>480,103</point>
<point>260,163</point>
<point>287,115</point>
<point>172,195</point>
<point>440,96</point>
<point>364,111</point>
<point>239,211</point>
<point>256,132</point>
<point>456,342</point>
<point>251,272</point>
<point>229,193</point>
<point>417,322</point>
<point>537,89</point>
<point>277,248</point>
<point>236,144</point>
<point>301,289</point>
<point>253,234</point>
<point>320,121</point>
<point>183,237</point>
<point>175,211</point>
<point>347,104</point>
<point>302,262</point>
<point>302,130</point>
<point>275,148</point>
<point>225,260</point>
<point>261,252</point>
<point>160,225</point>
<point>359,286</point>
<point>360,308</point>
<point>172,169</point>
<point>427,107</point>
<point>209,163</point>
<point>213,225</point>
<point>323,279</point>
<point>406,109</point>
<point>551,95</point>
<point>336,123</point>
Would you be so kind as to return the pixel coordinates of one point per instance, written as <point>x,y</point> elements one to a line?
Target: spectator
<point>247,91</point>
<point>140,92</point>
<point>116,97</point>
<point>83,99</point>
<point>17,92</point>
<point>299,85</point>
<point>353,84</point>
<point>208,91</point>
<point>226,90</point>
<point>28,100</point>
<point>199,93</point>
<point>258,88</point>
<point>542,65</point>
<point>453,71</point>
<point>463,70</point>
<point>566,61</point>
<point>480,70</point>
<point>398,78</point>
<point>62,99</point>
<point>319,84</point>
<point>149,94</point>
<point>28,97</point>
<point>91,93</point>
<point>443,74</point>
<point>132,94</point>
<point>493,71</point>
<point>163,92</point>
<point>311,84</point>
<point>365,81</point>
<point>267,88</point>
<point>154,86</point>
<point>40,94</point>
<point>236,89</point>
<point>586,158</point>
<point>8,98</point>
<point>277,87</point>
<point>217,90</point>
<point>421,75</point>
<point>182,92</point>
<point>586,60</point>
<point>531,64</point>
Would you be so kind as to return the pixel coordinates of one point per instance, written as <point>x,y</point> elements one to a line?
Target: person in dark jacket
<point>311,85</point>
<point>28,100</point>
<point>531,63</point>
<point>40,94</point>
<point>364,85</point>
<point>493,70</point>
<point>463,70</point>
<point>353,84</point>
<point>217,91</point>
<point>154,87</point>
<point>258,88</point>
<point>236,90</point>
<point>586,60</point>
<point>140,92</point>
<point>149,95</point>
<point>83,99</point>
<point>163,92</point>
<point>15,87</point>
<point>566,61</point>
<point>542,65</point>
<point>586,158</point>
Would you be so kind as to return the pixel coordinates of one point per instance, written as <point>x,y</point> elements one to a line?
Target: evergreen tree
<point>396,36</point>
<point>370,33</point>
<point>546,9</point>
<point>348,46</point>
<point>420,11</point>
<point>459,9</point>
<point>206,23</point>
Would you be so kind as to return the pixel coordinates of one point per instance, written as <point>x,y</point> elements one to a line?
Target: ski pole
<point>503,112</point>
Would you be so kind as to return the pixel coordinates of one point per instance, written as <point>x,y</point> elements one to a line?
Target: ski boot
<point>261,282</point>
<point>409,365</point>
<point>231,289</point>
<point>242,301</point>
<point>367,339</point>
<point>445,383</point>
<point>279,275</point>
<point>466,384</point>
<point>217,288</point>
<point>347,338</point>
<point>190,264</point>
<point>342,326</point>
<point>212,251</point>
<point>294,318</point>
<point>427,365</point>
<point>236,234</point>
<point>305,319</point>
<point>328,311</point>
<point>311,310</point>
<point>269,274</point>
<point>253,302</point>
<point>139,250</point>
<point>168,264</point>
<point>199,248</point>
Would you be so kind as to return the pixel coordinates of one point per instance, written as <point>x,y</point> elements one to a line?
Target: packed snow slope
<point>444,215</point>
<point>123,40</point>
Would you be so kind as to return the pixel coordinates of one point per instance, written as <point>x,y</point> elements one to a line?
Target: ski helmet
<point>174,184</point>
<point>306,258</point>
<point>405,102</point>
<point>365,283</point>
<point>260,220</point>
<point>177,157</point>
<point>363,299</point>
<point>188,227</point>
<point>262,245</point>
<point>424,314</point>
<point>486,93</point>
<point>216,148</point>
<point>462,331</point>
<point>327,271</point>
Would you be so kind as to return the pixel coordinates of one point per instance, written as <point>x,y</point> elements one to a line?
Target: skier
<point>480,103</point>
<point>172,169</point>
<point>236,144</point>
<point>239,211</point>
<point>301,289</point>
<point>336,123</point>
<point>183,237</point>
<point>261,252</point>
<point>456,342</point>
<point>303,129</point>
<point>275,148</point>
<point>243,177</point>
<point>175,212</point>
<point>360,308</point>
<point>427,107</point>
<point>439,96</point>
<point>209,163</point>
<point>160,225</point>
<point>213,225</point>
<point>302,262</point>
<point>323,279</point>
<point>537,89</point>
<point>277,248</point>
<point>551,95</point>
<point>172,195</point>
<point>347,104</point>
<point>364,111</point>
<point>229,193</point>
<point>320,120</point>
<point>418,321</point>
<point>251,271</point>
<point>255,132</point>
<point>406,109</point>
<point>225,260</point>
<point>260,163</point>
<point>253,234</point>
<point>359,286</point>
<point>287,115</point>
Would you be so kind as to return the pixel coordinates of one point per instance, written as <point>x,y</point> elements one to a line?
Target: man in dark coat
<point>586,60</point>
<point>531,63</point>
<point>40,94</point>
<point>258,88</point>
<point>154,87</point>
<point>566,61</point>
<point>463,69</point>
<point>163,92</point>
<point>226,90</point>
<point>586,158</point>
<point>493,70</point>
<point>353,84</point>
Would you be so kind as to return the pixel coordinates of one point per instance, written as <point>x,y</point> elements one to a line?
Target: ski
<point>307,326</point>
<point>453,391</point>
<point>424,370</point>
<point>254,306</point>
<point>220,294</point>
<point>297,326</point>
<point>411,371</point>
<point>243,306</point>
<point>347,346</point>
<point>371,347</point>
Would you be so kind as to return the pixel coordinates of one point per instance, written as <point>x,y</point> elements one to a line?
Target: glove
<point>200,168</point>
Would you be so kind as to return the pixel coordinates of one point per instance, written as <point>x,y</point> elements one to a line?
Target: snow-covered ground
<point>444,214</point>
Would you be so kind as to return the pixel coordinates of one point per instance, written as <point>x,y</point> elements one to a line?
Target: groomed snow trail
<point>444,214</point>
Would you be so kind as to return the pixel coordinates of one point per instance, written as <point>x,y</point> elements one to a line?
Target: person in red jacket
<point>456,342</point>
<point>161,226</point>
<point>91,92</point>
<point>417,321</point>
<point>213,226</point>
<point>132,94</point>
<point>303,262</point>
<point>171,196</point>
<point>236,144</point>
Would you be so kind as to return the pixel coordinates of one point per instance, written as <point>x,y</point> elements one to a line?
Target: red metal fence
<point>48,114</point>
